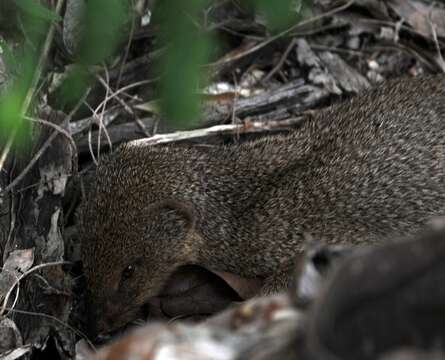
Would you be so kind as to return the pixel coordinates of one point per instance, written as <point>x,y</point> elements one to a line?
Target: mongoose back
<point>356,172</point>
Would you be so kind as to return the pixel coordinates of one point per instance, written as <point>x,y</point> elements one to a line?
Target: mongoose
<point>355,173</point>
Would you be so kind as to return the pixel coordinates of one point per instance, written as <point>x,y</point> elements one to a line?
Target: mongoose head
<point>130,244</point>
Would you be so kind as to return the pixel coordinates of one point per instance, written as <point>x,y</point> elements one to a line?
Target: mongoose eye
<point>128,272</point>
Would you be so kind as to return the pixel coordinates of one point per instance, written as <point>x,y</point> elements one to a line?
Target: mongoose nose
<point>92,330</point>
<point>98,327</point>
<point>97,322</point>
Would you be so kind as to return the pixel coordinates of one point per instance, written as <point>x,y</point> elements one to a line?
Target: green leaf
<point>180,65</point>
<point>105,29</point>
<point>280,14</point>
<point>73,87</point>
<point>36,9</point>
<point>11,101</point>
<point>10,118</point>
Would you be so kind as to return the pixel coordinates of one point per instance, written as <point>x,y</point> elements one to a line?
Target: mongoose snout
<point>356,173</point>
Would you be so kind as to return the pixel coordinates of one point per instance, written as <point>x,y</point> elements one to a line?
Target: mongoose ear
<point>186,211</point>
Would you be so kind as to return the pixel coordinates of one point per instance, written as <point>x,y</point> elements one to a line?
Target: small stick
<point>250,127</point>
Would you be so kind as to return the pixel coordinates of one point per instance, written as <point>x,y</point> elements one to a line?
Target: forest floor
<point>259,84</point>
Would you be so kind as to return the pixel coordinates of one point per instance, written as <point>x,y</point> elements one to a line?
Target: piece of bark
<point>347,78</point>
<point>39,220</point>
<point>422,17</point>
<point>317,72</point>
<point>108,117</point>
<point>17,353</point>
<point>263,328</point>
<point>294,96</point>
<point>16,264</point>
<point>10,337</point>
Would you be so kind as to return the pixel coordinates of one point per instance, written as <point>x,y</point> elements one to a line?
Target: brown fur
<point>356,173</point>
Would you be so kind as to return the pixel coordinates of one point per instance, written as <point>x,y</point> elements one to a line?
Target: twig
<point>396,25</point>
<point>17,352</point>
<point>12,222</point>
<point>73,329</point>
<point>280,63</point>
<point>32,162</point>
<point>48,142</point>
<point>17,281</point>
<point>340,50</point>
<point>281,34</point>
<point>16,299</point>
<point>141,126</point>
<point>33,185</point>
<point>56,127</point>
<point>127,48</point>
<point>81,125</point>
<point>90,147</point>
<point>7,148</point>
<point>432,65</point>
<point>94,119</point>
<point>103,106</point>
<point>118,99</point>
<point>125,88</point>
<point>234,104</point>
<point>101,117</point>
<point>251,127</point>
<point>440,60</point>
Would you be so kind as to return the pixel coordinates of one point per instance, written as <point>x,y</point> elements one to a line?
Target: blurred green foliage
<point>22,63</point>
<point>105,28</point>
<point>37,11</point>
<point>278,13</point>
<point>107,25</point>
<point>187,49</point>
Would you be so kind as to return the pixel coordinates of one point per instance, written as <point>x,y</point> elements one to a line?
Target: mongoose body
<point>356,172</point>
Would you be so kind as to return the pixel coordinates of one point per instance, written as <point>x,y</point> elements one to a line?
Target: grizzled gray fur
<point>357,172</point>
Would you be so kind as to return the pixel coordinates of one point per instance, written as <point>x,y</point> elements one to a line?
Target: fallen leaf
<point>420,16</point>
